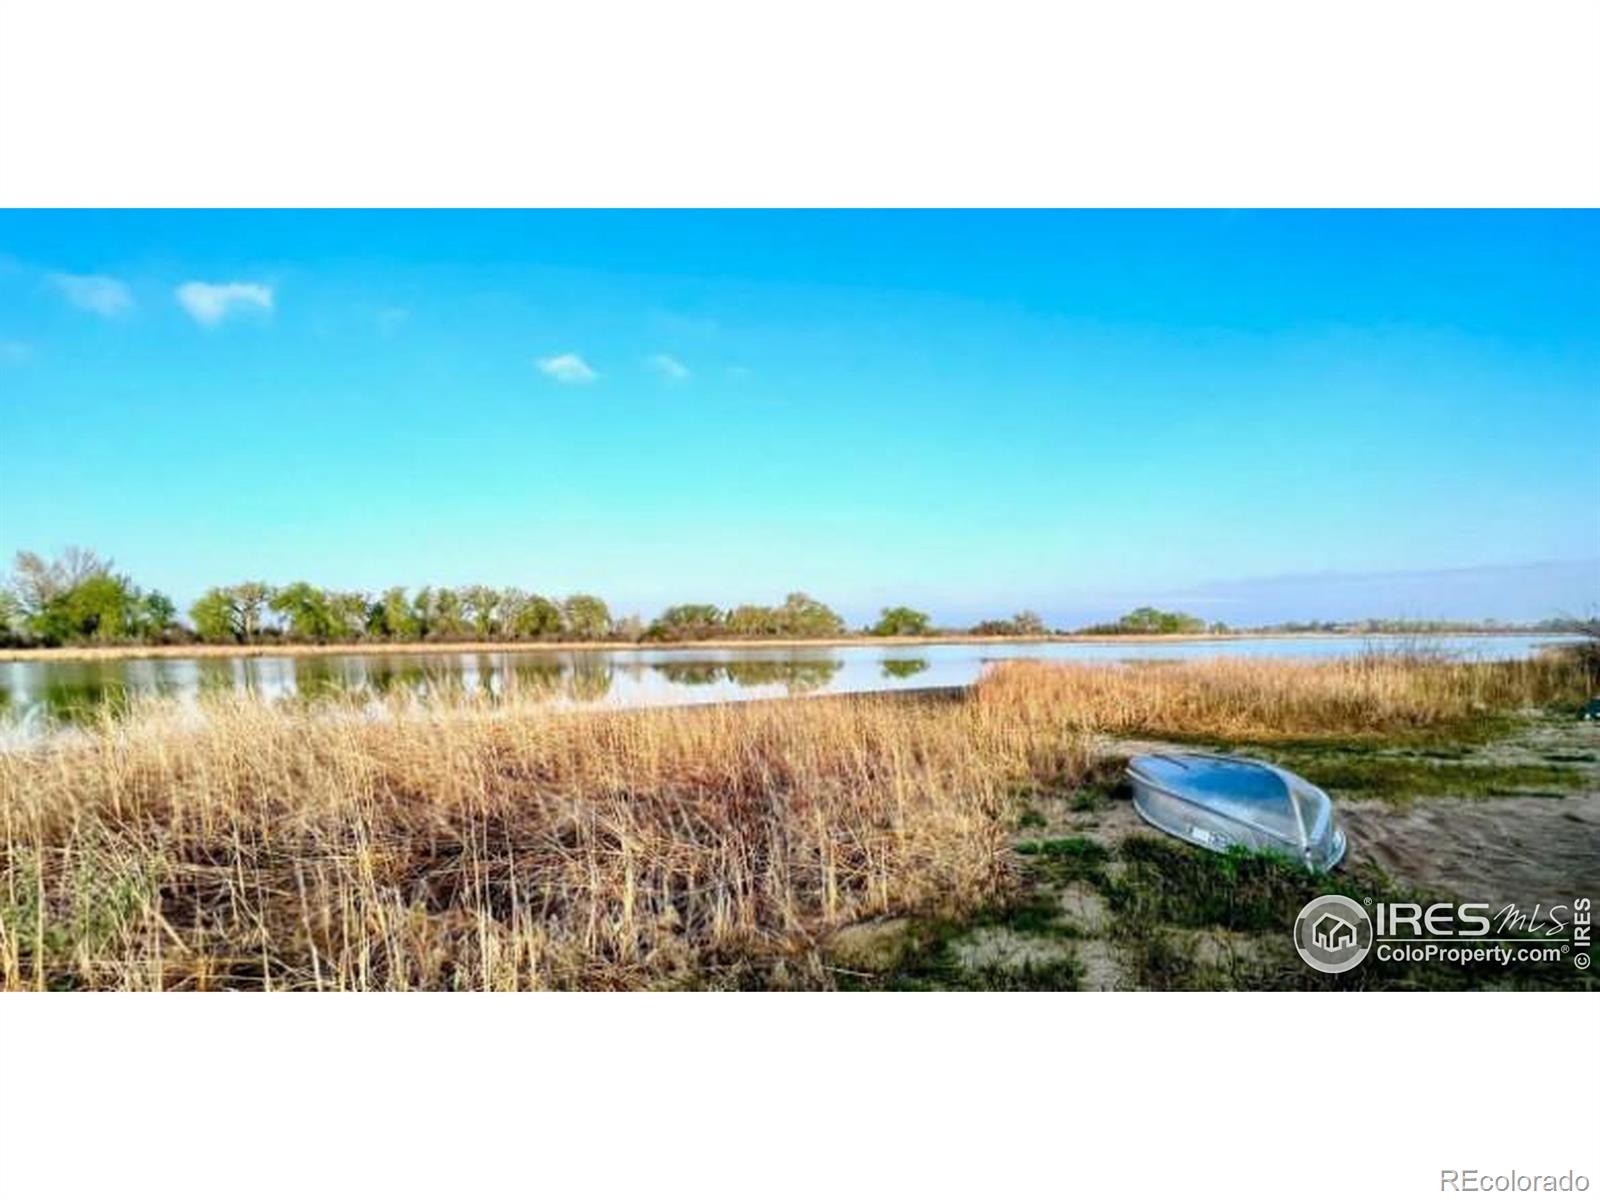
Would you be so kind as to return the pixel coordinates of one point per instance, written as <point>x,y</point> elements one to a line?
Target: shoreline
<point>299,650</point>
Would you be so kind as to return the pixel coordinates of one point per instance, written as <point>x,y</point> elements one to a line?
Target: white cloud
<point>667,366</point>
<point>567,368</point>
<point>14,354</point>
<point>94,293</point>
<point>210,303</point>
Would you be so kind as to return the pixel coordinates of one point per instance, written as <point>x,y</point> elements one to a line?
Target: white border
<point>792,1095</point>
<point>828,102</point>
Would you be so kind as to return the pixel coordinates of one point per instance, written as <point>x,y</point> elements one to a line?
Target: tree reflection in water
<point>798,676</point>
<point>533,678</point>
<point>591,677</point>
<point>903,668</point>
<point>691,674</point>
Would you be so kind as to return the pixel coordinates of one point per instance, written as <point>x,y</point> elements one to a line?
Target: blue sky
<point>1261,416</point>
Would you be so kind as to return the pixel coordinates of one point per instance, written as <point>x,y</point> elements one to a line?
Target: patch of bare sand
<point>1516,849</point>
<point>1007,949</point>
<point>1523,849</point>
<point>1100,965</point>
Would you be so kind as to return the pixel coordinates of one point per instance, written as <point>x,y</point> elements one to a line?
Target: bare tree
<point>38,582</point>
<point>250,600</point>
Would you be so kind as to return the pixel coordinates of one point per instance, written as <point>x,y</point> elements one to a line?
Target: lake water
<point>34,696</point>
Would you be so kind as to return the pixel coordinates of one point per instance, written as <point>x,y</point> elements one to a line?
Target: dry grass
<point>1265,700</point>
<point>472,845</point>
<point>480,847</point>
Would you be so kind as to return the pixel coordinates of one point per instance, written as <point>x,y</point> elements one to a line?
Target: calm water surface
<point>35,696</point>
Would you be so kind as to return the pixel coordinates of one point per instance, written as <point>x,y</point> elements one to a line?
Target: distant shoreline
<point>299,650</point>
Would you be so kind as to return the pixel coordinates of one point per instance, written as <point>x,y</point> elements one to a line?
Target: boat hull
<point>1221,803</point>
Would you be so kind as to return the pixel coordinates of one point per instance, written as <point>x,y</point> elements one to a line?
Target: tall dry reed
<point>1271,699</point>
<point>472,846</point>
<point>467,844</point>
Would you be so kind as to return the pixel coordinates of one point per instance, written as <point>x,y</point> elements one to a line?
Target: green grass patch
<point>1401,778</point>
<point>1448,738</point>
<point>1186,919</point>
<point>1088,800</point>
<point>1065,860</point>
<point>1164,881</point>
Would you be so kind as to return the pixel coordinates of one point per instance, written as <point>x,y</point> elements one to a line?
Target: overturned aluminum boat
<point>1219,801</point>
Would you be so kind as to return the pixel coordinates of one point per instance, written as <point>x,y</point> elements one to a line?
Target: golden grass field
<point>355,844</point>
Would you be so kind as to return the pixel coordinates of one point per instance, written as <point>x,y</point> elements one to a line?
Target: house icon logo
<point>1333,934</point>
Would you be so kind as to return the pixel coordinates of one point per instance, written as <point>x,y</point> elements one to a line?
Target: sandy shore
<point>297,650</point>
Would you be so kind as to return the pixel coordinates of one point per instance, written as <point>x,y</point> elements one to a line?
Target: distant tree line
<point>1024,624</point>
<point>1399,625</point>
<point>80,598</point>
<point>254,611</point>
<point>799,616</point>
<point>1155,620</point>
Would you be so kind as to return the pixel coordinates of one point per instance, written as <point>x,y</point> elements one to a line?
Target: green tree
<point>103,608</point>
<point>393,617</point>
<point>1147,620</point>
<point>1154,620</point>
<point>157,615</point>
<point>212,616</point>
<point>446,615</point>
<point>305,611</point>
<point>752,620</point>
<point>588,618</point>
<point>481,610</point>
<point>687,622</point>
<point>75,598</point>
<point>536,617</point>
<point>347,614</point>
<point>799,616</point>
<point>421,614</point>
<point>901,622</point>
<point>10,617</point>
<point>231,614</point>
<point>803,617</point>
